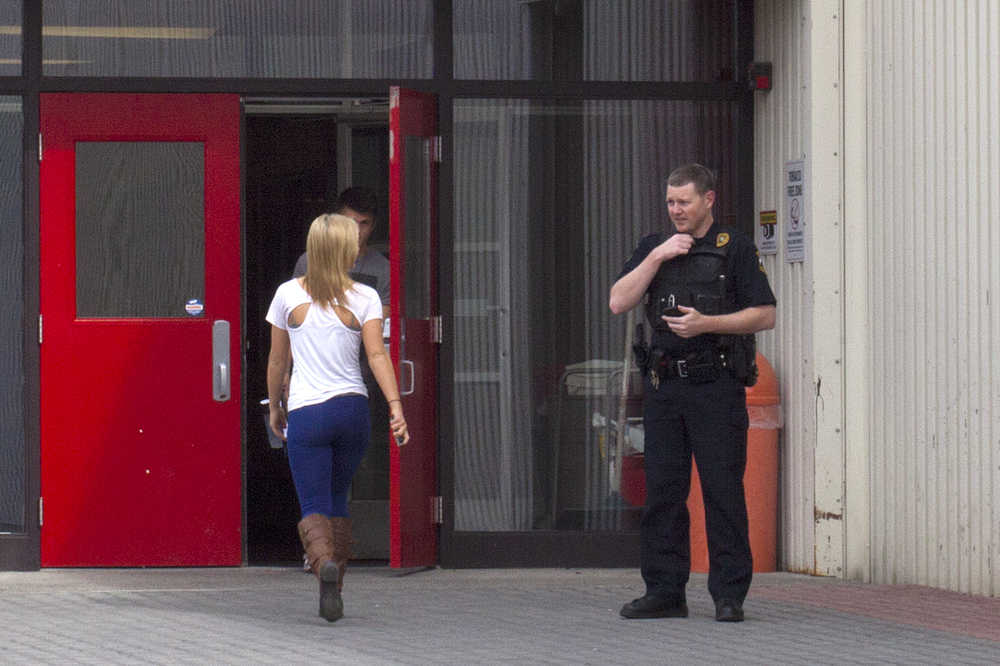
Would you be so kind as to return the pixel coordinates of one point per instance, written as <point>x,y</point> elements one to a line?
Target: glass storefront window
<point>12,445</point>
<point>10,37</point>
<point>594,40</point>
<point>550,199</point>
<point>350,39</point>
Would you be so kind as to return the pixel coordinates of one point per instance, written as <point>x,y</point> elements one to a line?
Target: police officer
<point>706,295</point>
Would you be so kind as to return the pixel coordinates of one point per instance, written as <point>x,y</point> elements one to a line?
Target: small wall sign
<point>767,232</point>
<point>796,224</point>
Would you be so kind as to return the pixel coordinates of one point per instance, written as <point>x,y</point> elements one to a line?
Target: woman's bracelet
<point>396,400</point>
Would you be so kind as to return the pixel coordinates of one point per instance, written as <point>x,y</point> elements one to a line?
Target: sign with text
<point>767,232</point>
<point>795,207</point>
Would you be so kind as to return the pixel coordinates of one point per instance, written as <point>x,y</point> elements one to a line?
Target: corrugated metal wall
<point>934,287</point>
<point>780,131</point>
<point>917,137</point>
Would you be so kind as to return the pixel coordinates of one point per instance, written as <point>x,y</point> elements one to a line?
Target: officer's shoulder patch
<point>722,239</point>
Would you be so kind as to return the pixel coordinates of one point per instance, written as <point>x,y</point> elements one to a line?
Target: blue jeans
<point>326,443</point>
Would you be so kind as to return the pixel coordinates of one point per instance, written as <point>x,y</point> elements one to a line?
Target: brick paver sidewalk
<point>525,616</point>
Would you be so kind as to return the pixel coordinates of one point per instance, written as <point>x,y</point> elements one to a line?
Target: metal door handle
<point>404,364</point>
<point>220,360</point>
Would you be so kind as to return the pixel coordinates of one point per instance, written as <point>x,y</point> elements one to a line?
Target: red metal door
<point>140,359</point>
<point>412,217</point>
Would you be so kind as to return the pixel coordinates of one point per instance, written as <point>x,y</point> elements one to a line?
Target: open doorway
<point>299,155</point>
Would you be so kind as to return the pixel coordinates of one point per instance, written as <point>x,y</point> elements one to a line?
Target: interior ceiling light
<point>46,61</point>
<point>116,32</point>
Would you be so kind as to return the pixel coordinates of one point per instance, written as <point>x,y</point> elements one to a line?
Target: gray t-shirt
<point>371,268</point>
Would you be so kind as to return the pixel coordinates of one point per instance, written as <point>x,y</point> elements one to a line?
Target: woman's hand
<point>278,420</point>
<point>279,360</point>
<point>397,423</point>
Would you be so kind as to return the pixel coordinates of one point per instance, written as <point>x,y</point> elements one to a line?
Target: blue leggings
<point>326,443</point>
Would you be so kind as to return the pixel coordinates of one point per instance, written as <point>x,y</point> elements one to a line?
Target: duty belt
<point>674,368</point>
<point>699,366</point>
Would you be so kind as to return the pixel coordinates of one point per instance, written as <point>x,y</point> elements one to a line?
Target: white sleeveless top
<point>326,352</point>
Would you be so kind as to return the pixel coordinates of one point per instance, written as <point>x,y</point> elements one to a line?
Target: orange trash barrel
<point>760,482</point>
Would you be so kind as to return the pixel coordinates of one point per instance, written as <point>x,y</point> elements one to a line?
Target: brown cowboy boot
<point>317,539</point>
<point>342,542</point>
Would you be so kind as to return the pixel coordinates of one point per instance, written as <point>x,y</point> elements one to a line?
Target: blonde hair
<point>331,249</point>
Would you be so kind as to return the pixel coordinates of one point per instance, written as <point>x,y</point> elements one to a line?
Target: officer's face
<point>690,212</point>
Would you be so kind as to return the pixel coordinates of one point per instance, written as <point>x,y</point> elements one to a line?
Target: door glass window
<point>349,39</point>
<point>10,37</point>
<point>594,40</point>
<point>140,227</point>
<point>417,227</point>
<point>550,199</point>
<point>12,453</point>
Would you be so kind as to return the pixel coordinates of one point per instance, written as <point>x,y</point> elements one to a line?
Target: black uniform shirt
<point>748,281</point>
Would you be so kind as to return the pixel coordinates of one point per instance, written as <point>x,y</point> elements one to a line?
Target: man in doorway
<point>706,295</point>
<point>372,268</point>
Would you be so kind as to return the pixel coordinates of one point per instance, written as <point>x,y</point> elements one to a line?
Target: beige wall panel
<point>934,289</point>
<point>780,134</point>
<point>825,255</point>
<point>857,311</point>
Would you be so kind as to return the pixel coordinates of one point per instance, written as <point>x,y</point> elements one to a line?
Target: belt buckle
<point>682,370</point>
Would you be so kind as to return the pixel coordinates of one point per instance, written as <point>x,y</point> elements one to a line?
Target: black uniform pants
<point>707,420</point>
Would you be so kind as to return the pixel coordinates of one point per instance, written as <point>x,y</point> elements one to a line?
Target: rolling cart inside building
<point>590,447</point>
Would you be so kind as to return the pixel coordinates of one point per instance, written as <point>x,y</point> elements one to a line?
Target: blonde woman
<point>323,319</point>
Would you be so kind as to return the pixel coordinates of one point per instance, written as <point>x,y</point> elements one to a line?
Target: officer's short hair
<point>700,176</point>
<point>360,199</point>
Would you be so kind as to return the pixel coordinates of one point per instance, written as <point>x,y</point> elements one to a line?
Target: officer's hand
<point>675,246</point>
<point>689,324</point>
